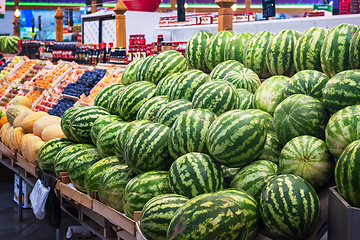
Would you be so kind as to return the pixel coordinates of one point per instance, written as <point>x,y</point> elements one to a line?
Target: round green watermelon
<point>244,78</point>
<point>196,49</point>
<point>234,48</point>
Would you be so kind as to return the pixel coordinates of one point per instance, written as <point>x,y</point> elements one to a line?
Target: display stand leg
<point>20,199</point>
<point>58,234</point>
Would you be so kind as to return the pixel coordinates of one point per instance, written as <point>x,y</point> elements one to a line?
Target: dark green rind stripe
<point>103,97</point>
<point>129,74</point>
<point>65,122</point>
<point>105,142</point>
<point>229,174</point>
<point>308,48</point>
<point>112,105</point>
<point>196,49</point>
<point>335,50</point>
<point>266,117</point>
<point>355,50</point>
<point>194,174</point>
<point>247,99</point>
<point>342,129</point>
<point>185,85</point>
<point>309,158</point>
<point>149,110</point>
<point>244,78</point>
<point>236,138</point>
<point>220,71</point>
<point>169,112</point>
<point>162,88</point>
<point>100,123</point>
<point>143,68</point>
<point>289,207</point>
<point>142,188</point>
<point>234,48</point>
<point>216,96</point>
<point>271,149</point>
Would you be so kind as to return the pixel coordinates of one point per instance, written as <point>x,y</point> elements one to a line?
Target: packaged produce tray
<point>21,63</point>
<point>18,75</point>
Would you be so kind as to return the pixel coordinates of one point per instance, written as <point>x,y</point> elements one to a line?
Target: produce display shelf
<point>7,152</point>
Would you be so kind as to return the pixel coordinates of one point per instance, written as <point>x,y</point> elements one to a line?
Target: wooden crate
<point>7,152</point>
<point>26,165</point>
<point>76,195</point>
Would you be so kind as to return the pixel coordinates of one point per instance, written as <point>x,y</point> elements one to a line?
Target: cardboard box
<point>26,190</point>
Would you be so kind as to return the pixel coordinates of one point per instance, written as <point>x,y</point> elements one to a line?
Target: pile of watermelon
<point>211,156</point>
<point>9,44</point>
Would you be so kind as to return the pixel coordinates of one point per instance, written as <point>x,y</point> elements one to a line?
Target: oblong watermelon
<point>103,97</point>
<point>129,75</point>
<point>247,99</point>
<point>105,141</point>
<point>100,123</point>
<point>162,88</point>
<point>234,48</point>
<point>65,122</point>
<point>355,51</point>
<point>196,49</point>
<point>220,71</point>
<point>149,110</point>
<point>143,68</point>
<point>272,149</point>
<point>169,112</point>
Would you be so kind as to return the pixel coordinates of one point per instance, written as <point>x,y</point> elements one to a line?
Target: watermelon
<point>82,121</point>
<point>244,78</point>
<point>79,164</point>
<point>342,90</point>
<point>236,138</point>
<point>100,123</point>
<point>308,48</point>
<point>169,112</point>
<point>269,122</point>
<point>147,149</point>
<point>285,198</point>
<point>196,49</point>
<point>129,75</point>
<point>280,53</point>
<point>133,97</point>
<point>162,88</point>
<point>271,93</point>
<point>185,86</point>
<point>143,68</point>
<point>48,151</point>
<point>271,149</point>
<point>250,207</point>
<point>63,157</point>
<point>234,48</point>
<point>253,177</point>
<point>208,216</point>
<point>247,99</point>
<point>123,136</point>
<point>300,115</point>
<point>308,82</point>
<point>194,174</point>
<point>188,133</point>
<point>142,188</point>
<point>65,122</point>
<point>220,71</point>
<point>229,174</point>
<point>307,157</point>
<point>216,96</point>
<point>105,141</point>
<point>355,50</point>
<point>335,50</point>
<point>149,110</point>
<point>157,214</point>
<point>94,173</point>
<point>166,63</point>
<point>347,174</point>
<point>112,185</point>
<point>255,54</point>
<point>102,99</point>
<point>342,129</point>
<point>112,104</point>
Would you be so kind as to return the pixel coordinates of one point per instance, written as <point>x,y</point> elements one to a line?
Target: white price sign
<point>2,8</point>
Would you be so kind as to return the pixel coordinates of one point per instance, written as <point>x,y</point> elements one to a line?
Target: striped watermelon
<point>157,214</point>
<point>105,141</point>
<point>149,110</point>
<point>247,99</point>
<point>142,188</point>
<point>216,96</point>
<point>133,97</point>
<point>194,174</point>
<point>147,149</point>
<point>215,48</point>
<point>244,78</point>
<point>229,174</point>
<point>48,151</point>
<point>100,123</point>
<point>112,185</point>
<point>208,216</point>
<point>166,63</point>
<point>342,129</point>
<point>63,157</point>
<point>112,104</point>
<point>342,90</point>
<point>255,54</point>
<point>266,117</point>
<point>286,198</point>
<point>220,71</point>
<point>185,86</point>
<point>234,48</point>
<point>188,133</point>
<point>102,99</point>
<point>94,173</point>
<point>143,68</point>
<point>196,49</point>
<point>271,93</point>
<point>169,112</point>
<point>129,75</point>
<point>300,115</point>
<point>65,122</point>
<point>308,48</point>
<point>355,51</point>
<point>162,88</point>
<point>308,82</point>
<point>280,53</point>
<point>271,149</point>
<point>347,174</point>
<point>79,164</point>
<point>236,138</point>
<point>250,207</point>
<point>253,177</point>
<point>123,136</point>
<point>307,157</point>
<point>335,50</point>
